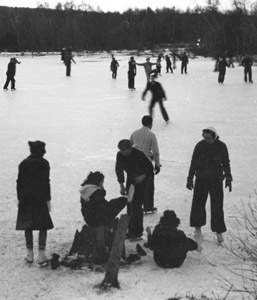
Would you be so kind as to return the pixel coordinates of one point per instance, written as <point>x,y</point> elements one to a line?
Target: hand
<point>49,206</point>
<point>157,169</point>
<point>190,184</point>
<point>148,230</point>
<point>123,190</point>
<point>228,184</point>
<point>139,179</point>
<point>143,98</point>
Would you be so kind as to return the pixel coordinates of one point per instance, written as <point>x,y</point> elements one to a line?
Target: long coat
<point>33,191</point>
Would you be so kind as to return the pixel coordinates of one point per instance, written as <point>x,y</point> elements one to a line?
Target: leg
<point>8,79</point>
<point>151,106</point>
<point>13,83</point>
<point>250,75</point>
<point>149,194</point>
<point>42,236</point>
<point>198,212</point>
<point>163,111</point>
<point>245,75</point>
<point>29,239</point>
<point>217,213</point>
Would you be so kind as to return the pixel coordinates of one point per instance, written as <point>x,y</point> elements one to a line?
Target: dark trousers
<point>42,236</point>
<point>202,188</point>
<point>221,77</point>
<point>115,206</point>
<point>135,210</point>
<point>114,74</point>
<point>183,68</point>
<point>162,108</point>
<point>149,194</point>
<point>131,80</point>
<point>169,68</point>
<point>248,71</point>
<point>8,79</point>
<point>68,69</point>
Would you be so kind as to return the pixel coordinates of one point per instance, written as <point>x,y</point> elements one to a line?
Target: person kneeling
<point>169,244</point>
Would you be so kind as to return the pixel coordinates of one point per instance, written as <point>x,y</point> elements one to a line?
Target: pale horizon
<point>121,6</point>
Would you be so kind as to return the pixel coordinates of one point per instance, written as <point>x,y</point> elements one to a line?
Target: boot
<point>198,238</point>
<point>30,256</point>
<point>219,238</point>
<point>42,260</point>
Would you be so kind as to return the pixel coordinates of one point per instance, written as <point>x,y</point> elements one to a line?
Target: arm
<point>140,64</point>
<point>145,91</point>
<point>192,170</point>
<point>120,173</point>
<point>156,152</point>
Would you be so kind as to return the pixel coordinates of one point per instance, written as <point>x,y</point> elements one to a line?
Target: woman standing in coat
<point>33,191</point>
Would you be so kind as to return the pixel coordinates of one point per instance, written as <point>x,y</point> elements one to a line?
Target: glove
<point>157,169</point>
<point>228,183</point>
<point>190,184</point>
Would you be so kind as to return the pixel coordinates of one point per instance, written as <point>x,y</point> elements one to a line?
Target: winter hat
<point>211,129</point>
<point>37,147</point>
<point>170,218</point>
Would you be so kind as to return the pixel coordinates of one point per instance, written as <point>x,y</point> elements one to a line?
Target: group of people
<point>137,163</point>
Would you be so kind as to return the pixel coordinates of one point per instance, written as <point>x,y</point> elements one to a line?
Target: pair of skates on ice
<point>199,238</point>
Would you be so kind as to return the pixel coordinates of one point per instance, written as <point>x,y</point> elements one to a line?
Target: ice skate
<point>219,238</point>
<point>30,256</point>
<point>151,211</point>
<point>199,238</point>
<point>42,260</point>
<point>131,192</point>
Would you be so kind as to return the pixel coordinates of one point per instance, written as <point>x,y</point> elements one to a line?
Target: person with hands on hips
<point>138,169</point>
<point>145,140</point>
<point>210,165</point>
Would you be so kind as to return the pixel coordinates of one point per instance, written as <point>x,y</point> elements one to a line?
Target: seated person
<point>95,209</point>
<point>169,245</point>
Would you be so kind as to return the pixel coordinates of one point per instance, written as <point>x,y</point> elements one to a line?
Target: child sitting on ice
<point>169,245</point>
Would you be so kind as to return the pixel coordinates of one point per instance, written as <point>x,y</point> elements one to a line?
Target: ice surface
<point>81,119</point>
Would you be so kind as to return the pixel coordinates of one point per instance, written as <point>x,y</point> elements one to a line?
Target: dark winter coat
<point>222,66</point>
<point>114,65</point>
<point>169,246</point>
<point>134,165</point>
<point>11,69</point>
<point>156,89</point>
<point>247,62</point>
<point>210,161</point>
<point>33,191</point>
<point>95,209</point>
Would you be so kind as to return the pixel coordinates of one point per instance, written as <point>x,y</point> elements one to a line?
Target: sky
<point>122,5</point>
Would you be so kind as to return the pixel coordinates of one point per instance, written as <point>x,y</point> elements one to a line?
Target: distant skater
<point>168,64</point>
<point>247,62</point>
<point>222,69</point>
<point>184,63</point>
<point>148,68</point>
<point>114,67</point>
<point>159,65</point>
<point>158,95</point>
<point>11,71</point>
<point>132,72</point>
<point>67,60</point>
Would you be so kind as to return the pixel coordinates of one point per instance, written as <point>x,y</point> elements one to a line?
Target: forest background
<point>206,31</point>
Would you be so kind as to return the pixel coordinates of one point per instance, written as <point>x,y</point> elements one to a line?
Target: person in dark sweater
<point>222,65</point>
<point>132,71</point>
<point>247,62</point>
<point>11,71</point>
<point>158,95</point>
<point>138,168</point>
<point>95,209</point>
<point>210,165</point>
<point>169,244</point>
<point>168,64</point>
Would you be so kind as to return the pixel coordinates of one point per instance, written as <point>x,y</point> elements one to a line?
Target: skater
<point>34,198</point>
<point>145,140</point>
<point>184,63</point>
<point>132,72</point>
<point>68,60</point>
<point>114,67</point>
<point>11,71</point>
<point>158,95</point>
<point>168,64</point>
<point>95,209</point>
<point>222,69</point>
<point>138,168</point>
<point>159,65</point>
<point>169,244</point>
<point>210,165</point>
<point>247,62</point>
<point>148,68</point>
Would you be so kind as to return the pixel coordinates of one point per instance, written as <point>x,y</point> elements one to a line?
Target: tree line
<point>44,29</point>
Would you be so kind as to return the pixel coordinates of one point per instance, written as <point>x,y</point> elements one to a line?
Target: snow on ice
<point>81,119</point>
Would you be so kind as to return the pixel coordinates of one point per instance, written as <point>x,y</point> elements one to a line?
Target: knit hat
<point>212,129</point>
<point>37,147</point>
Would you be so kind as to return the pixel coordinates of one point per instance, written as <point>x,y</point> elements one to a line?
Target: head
<point>37,147</point>
<point>148,59</point>
<point>132,58</point>
<point>96,178</point>
<point>210,135</point>
<point>147,121</point>
<point>125,147</point>
<point>169,219</point>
